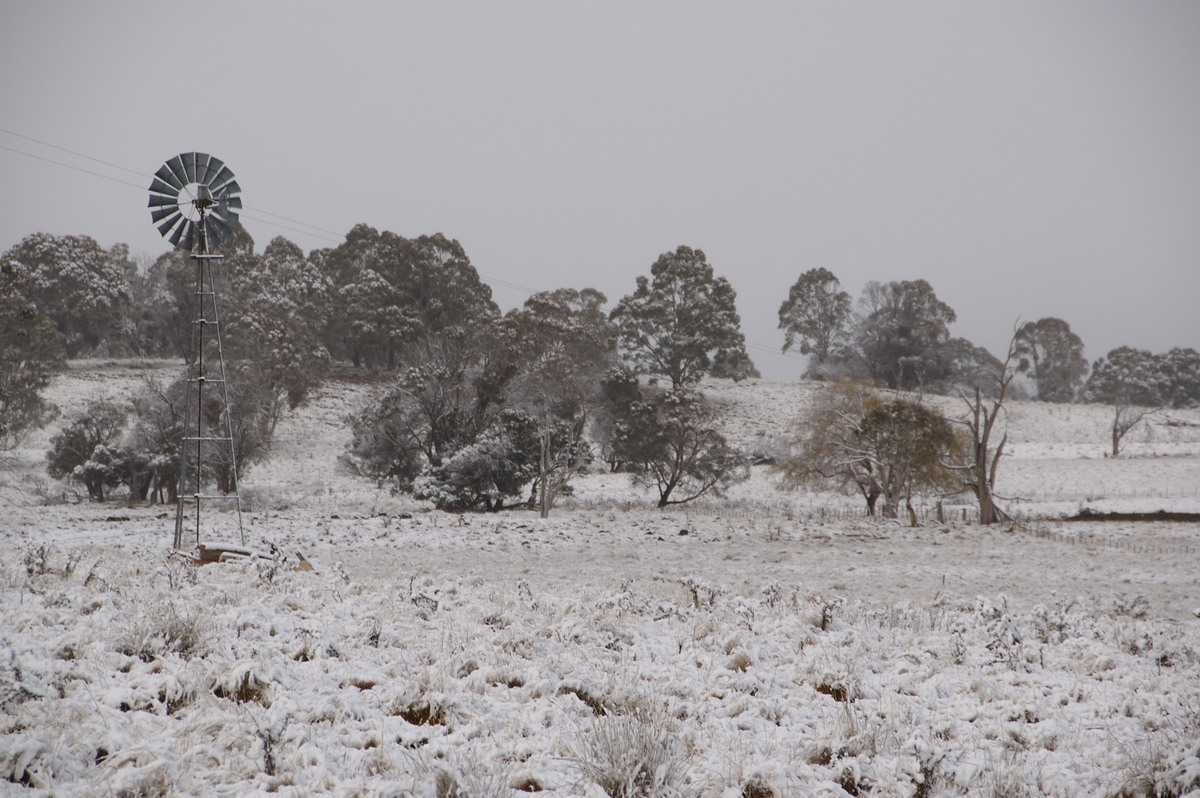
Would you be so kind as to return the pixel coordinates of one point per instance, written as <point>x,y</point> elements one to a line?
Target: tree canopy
<point>1053,356</point>
<point>82,288</point>
<point>902,332</point>
<point>682,322</point>
<point>816,313</point>
<point>387,291</point>
<point>30,351</point>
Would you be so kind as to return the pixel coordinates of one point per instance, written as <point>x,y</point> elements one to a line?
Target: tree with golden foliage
<point>854,438</point>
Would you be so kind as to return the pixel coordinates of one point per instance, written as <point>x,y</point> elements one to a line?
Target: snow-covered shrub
<point>465,775</point>
<point>632,757</point>
<point>242,683</point>
<point>482,475</point>
<point>161,631</point>
<point>1165,765</point>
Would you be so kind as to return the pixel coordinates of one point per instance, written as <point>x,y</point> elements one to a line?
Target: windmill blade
<point>217,231</point>
<point>162,187</point>
<point>166,226</point>
<point>175,235</point>
<point>202,159</point>
<point>225,209</point>
<point>176,167</point>
<point>189,166</point>
<point>224,176</point>
<point>215,165</point>
<point>160,200</point>
<point>231,189</point>
<point>189,237</point>
<point>158,214</point>
<point>164,174</point>
<point>219,225</point>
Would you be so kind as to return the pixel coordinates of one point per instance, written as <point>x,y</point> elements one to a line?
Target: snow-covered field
<point>771,644</point>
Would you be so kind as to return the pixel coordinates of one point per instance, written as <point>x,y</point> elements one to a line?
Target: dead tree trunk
<point>981,420</point>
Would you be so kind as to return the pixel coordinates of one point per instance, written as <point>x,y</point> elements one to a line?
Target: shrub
<point>630,758</point>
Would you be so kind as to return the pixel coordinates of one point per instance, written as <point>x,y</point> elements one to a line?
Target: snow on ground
<point>768,644</point>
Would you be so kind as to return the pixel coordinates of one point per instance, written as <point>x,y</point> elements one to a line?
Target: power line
<point>64,149</point>
<point>69,166</point>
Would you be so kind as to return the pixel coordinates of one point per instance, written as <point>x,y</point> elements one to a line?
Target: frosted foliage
<point>77,284</point>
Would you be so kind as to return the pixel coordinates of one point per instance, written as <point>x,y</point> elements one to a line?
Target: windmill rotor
<point>194,200</point>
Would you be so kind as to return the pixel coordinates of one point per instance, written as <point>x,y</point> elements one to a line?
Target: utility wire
<point>64,149</point>
<point>68,166</point>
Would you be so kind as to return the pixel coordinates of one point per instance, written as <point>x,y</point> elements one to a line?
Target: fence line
<point>766,513</point>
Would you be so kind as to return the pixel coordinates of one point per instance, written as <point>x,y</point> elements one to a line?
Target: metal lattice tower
<point>194,200</point>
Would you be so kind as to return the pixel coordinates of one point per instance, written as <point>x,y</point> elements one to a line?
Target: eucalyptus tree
<point>388,291</point>
<point>30,352</point>
<point>81,287</point>
<point>1053,356</point>
<point>817,315</point>
<point>273,318</point>
<point>682,323</point>
<point>565,345</point>
<point>669,442</point>
<point>1130,380</point>
<point>901,334</point>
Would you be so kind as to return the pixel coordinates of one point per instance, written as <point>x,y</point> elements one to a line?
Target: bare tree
<point>1131,381</point>
<point>980,420</point>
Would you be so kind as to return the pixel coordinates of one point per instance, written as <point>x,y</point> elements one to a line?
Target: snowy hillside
<point>769,644</point>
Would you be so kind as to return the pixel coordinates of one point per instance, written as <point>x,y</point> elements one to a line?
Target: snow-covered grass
<point>752,647</point>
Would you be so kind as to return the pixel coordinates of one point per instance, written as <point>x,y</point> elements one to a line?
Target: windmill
<point>194,201</point>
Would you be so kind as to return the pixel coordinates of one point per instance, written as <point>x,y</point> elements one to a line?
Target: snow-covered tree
<point>970,366</point>
<point>389,291</point>
<point>98,425</point>
<point>156,428</point>
<point>669,442</point>
<point>82,288</point>
<point>1179,371</point>
<point>487,472</point>
<point>565,344</point>
<point>443,401</point>
<point>274,319</point>
<point>30,351</point>
<point>901,334</point>
<point>1053,356</point>
<point>817,315</point>
<point>682,322</point>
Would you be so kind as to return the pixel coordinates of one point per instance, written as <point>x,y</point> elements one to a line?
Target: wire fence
<point>1026,517</point>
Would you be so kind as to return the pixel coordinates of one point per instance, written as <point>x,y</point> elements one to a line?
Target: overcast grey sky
<point>1029,159</point>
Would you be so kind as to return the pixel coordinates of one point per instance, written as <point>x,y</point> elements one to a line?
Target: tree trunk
<point>544,468</point>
